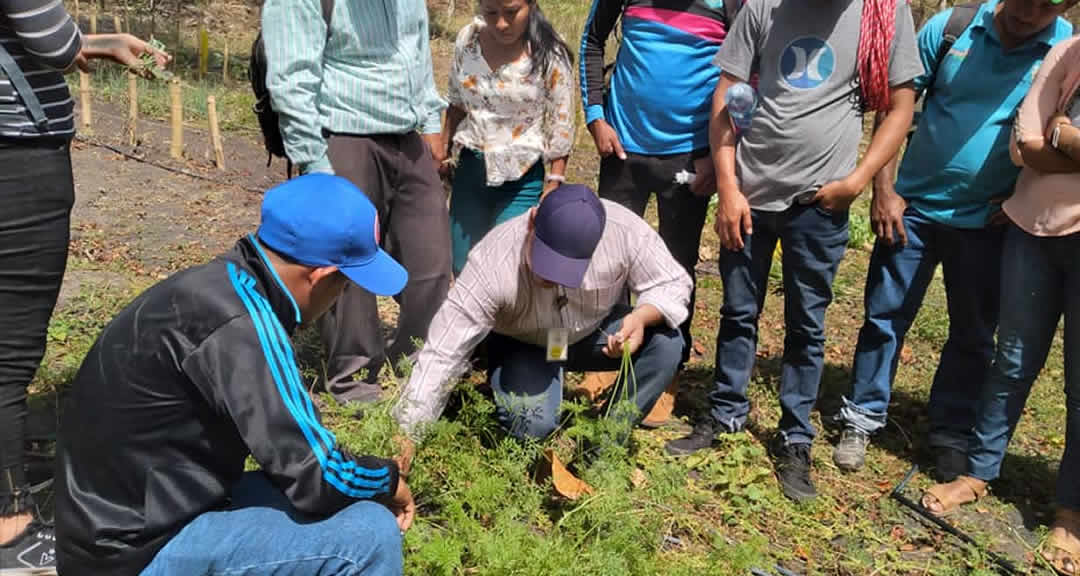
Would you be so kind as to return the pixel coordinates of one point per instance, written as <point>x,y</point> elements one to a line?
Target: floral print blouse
<point>513,117</point>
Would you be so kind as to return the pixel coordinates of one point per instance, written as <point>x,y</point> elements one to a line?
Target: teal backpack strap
<point>22,87</point>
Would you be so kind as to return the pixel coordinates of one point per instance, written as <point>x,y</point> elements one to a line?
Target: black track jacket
<point>191,377</point>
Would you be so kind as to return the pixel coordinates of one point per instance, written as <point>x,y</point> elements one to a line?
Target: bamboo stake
<point>215,134</point>
<point>84,98</point>
<point>116,24</point>
<point>133,107</point>
<point>176,147</point>
<point>225,64</point>
<point>179,34</point>
<point>204,48</point>
<point>93,22</point>
<point>76,13</point>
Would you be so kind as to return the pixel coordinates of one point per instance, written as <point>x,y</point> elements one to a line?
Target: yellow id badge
<point>557,344</point>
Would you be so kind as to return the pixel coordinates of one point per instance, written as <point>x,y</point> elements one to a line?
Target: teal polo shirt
<point>958,158</point>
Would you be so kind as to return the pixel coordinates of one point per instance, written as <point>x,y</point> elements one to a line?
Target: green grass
<point>721,512</point>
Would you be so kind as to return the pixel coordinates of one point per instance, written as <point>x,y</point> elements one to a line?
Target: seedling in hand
<point>150,64</point>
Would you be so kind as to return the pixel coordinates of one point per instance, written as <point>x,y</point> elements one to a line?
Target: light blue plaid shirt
<point>372,75</point>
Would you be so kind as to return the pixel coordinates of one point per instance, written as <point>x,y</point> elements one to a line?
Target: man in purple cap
<point>545,290</point>
<point>196,375</point>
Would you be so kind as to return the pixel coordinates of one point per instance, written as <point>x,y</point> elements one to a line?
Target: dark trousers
<point>682,214</point>
<point>37,193</point>
<point>397,173</point>
<point>814,242</point>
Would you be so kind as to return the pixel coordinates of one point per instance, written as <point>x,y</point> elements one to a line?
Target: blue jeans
<point>813,242</point>
<point>1040,281</point>
<point>476,208</point>
<point>261,533</point>
<point>896,284</point>
<point>528,388</point>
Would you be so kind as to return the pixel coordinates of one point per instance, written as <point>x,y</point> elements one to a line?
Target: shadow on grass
<point>1027,482</point>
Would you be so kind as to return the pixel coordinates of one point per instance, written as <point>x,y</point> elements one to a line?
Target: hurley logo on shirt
<point>807,63</point>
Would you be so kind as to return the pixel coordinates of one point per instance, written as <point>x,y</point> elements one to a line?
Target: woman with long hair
<point>510,113</point>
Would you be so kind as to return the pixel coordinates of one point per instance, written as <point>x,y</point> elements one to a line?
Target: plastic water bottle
<point>742,102</point>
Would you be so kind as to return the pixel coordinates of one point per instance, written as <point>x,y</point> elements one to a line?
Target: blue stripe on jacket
<point>279,357</point>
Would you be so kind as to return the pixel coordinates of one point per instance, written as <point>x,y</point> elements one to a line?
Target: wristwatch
<point>555,178</point>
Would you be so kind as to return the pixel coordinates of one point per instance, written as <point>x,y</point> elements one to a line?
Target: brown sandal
<point>664,406</point>
<point>1062,547</point>
<point>950,496</point>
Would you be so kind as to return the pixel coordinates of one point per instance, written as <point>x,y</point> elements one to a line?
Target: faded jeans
<point>261,533</point>
<point>1040,282</point>
<point>896,284</point>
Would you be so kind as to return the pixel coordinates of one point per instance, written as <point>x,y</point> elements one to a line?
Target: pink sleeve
<point>1042,99</point>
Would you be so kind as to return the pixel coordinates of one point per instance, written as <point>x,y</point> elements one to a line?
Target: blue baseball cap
<point>321,220</point>
<point>567,228</point>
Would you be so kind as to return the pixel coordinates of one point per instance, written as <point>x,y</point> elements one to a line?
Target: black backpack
<point>264,111</point>
<point>961,17</point>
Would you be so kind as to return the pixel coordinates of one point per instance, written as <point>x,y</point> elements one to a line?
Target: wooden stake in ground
<point>84,99</point>
<point>204,48</point>
<point>179,33</point>
<point>93,22</point>
<point>215,134</point>
<point>133,106</point>
<point>76,13</point>
<point>225,64</point>
<point>116,24</point>
<point>176,146</point>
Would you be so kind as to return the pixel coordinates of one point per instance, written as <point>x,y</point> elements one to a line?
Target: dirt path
<point>154,218</point>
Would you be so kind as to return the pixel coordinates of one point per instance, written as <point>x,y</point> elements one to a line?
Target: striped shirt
<point>44,41</point>
<point>371,75</point>
<point>497,292</point>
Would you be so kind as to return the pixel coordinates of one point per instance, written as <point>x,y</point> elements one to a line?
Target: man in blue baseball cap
<point>196,375</point>
<point>545,290</point>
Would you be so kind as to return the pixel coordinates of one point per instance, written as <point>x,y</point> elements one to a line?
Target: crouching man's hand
<point>402,505</point>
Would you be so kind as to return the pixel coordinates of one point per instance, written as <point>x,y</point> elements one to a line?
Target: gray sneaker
<point>850,452</point>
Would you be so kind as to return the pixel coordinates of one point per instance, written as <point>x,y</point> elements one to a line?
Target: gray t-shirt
<point>808,126</point>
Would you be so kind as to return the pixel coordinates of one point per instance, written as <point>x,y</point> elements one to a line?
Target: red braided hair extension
<point>875,41</point>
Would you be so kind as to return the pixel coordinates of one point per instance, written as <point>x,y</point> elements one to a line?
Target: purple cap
<point>568,226</point>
